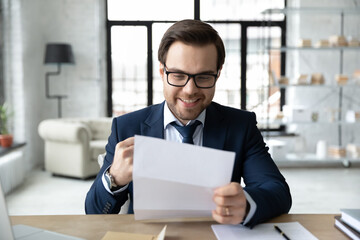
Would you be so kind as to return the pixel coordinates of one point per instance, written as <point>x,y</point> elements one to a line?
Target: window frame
<point>244,25</point>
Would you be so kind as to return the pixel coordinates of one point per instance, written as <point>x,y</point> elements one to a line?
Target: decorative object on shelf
<point>57,53</point>
<point>322,43</point>
<point>356,74</point>
<point>304,43</point>
<point>321,149</point>
<point>314,116</point>
<point>296,114</point>
<point>353,42</point>
<point>353,150</point>
<point>341,79</point>
<point>279,116</point>
<point>333,114</point>
<point>333,41</point>
<point>352,116</point>
<point>6,138</point>
<point>277,149</point>
<point>283,80</point>
<point>356,77</point>
<point>337,151</point>
<point>338,41</point>
<point>302,79</point>
<point>317,79</point>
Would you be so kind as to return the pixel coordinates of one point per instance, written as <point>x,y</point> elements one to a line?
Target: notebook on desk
<point>23,232</point>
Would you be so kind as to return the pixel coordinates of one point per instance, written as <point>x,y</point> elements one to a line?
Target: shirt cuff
<point>106,186</point>
<point>252,208</point>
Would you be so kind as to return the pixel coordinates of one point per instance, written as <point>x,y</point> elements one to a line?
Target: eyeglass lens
<point>181,79</point>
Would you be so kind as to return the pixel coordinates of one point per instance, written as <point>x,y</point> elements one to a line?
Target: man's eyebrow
<point>181,71</point>
<point>174,70</point>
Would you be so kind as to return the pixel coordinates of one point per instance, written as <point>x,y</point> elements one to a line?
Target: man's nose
<point>190,87</point>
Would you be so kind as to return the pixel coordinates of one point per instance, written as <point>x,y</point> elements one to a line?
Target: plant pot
<point>6,140</point>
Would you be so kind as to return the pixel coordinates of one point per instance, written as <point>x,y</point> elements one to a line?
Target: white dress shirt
<point>170,132</point>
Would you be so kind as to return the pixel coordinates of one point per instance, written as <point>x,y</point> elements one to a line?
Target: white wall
<point>29,25</point>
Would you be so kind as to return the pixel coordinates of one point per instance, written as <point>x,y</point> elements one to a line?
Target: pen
<point>281,232</point>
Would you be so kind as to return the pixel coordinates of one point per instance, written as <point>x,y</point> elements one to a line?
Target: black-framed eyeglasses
<point>180,79</point>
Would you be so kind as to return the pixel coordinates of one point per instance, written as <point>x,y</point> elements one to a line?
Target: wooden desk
<point>95,226</point>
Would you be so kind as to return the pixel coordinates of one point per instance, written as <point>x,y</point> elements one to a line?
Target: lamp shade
<point>58,53</point>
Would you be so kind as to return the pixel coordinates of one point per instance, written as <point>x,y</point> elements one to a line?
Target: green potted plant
<point>6,138</point>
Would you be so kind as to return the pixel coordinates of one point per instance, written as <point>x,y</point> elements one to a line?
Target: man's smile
<point>189,102</point>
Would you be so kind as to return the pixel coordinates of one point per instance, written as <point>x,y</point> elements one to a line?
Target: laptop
<point>24,232</point>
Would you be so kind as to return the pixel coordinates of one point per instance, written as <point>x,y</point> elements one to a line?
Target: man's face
<point>186,103</point>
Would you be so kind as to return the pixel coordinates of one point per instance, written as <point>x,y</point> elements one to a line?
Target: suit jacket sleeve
<point>263,180</point>
<point>98,200</point>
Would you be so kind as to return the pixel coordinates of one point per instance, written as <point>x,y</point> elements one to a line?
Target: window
<point>158,31</point>
<point>129,77</point>
<point>135,34</point>
<point>153,10</point>
<point>262,97</point>
<point>228,87</point>
<point>238,10</point>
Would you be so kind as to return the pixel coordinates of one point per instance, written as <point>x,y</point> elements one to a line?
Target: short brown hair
<point>192,32</point>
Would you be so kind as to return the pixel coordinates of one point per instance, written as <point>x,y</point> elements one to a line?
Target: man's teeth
<point>189,101</point>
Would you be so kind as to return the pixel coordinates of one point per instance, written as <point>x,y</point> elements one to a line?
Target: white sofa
<point>72,146</point>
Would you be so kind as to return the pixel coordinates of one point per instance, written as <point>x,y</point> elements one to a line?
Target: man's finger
<point>127,154</point>
<point>226,200</point>
<point>226,219</point>
<point>126,143</point>
<point>230,189</point>
<point>224,210</point>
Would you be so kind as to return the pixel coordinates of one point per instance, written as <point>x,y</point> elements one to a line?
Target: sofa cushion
<point>64,131</point>
<point>100,128</point>
<point>97,147</point>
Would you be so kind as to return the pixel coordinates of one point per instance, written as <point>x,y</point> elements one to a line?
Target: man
<point>191,56</point>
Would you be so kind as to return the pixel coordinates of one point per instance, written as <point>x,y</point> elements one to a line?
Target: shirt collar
<point>169,117</point>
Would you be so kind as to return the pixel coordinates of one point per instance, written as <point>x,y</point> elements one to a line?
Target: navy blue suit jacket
<point>225,128</point>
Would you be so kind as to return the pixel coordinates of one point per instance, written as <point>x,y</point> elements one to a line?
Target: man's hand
<point>230,204</point>
<point>122,166</point>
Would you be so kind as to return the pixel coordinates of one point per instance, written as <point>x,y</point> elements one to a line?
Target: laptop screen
<point>24,232</point>
<point>5,225</point>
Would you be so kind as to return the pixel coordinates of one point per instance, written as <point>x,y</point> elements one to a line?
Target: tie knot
<point>187,131</point>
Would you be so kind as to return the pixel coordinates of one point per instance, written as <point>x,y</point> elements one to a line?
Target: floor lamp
<point>57,53</point>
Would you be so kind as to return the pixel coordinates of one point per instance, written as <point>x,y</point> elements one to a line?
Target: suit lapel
<point>215,128</point>
<point>153,126</point>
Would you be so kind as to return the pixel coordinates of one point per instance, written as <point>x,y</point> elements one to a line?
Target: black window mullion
<point>109,106</point>
<point>243,63</point>
<point>197,9</point>
<point>149,65</point>
<point>282,64</point>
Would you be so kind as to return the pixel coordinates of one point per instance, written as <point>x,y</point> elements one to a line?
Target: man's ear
<point>161,70</point>
<point>219,72</point>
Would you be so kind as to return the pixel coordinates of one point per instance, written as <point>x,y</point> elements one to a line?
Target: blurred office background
<point>311,127</point>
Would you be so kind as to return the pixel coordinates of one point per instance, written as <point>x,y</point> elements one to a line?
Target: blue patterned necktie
<point>187,131</point>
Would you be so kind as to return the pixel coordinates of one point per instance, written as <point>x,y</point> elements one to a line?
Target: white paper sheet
<point>174,180</point>
<point>294,230</point>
